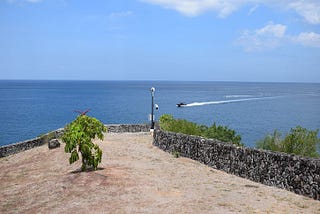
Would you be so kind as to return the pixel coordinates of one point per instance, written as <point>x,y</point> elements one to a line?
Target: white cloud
<point>196,7</point>
<point>272,36</point>
<point>309,39</point>
<point>308,9</point>
<point>266,38</point>
<point>253,9</point>
<point>274,30</point>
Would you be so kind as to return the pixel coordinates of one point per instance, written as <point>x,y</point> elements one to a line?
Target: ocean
<point>31,108</point>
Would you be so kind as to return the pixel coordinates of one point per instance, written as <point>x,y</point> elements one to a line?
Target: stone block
<point>54,143</point>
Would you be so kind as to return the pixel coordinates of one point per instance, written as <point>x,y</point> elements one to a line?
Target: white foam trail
<point>226,101</point>
<point>238,96</point>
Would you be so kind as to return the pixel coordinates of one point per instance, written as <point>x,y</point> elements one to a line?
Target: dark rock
<point>54,143</point>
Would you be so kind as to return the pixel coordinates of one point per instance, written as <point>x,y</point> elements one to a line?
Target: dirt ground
<point>134,177</point>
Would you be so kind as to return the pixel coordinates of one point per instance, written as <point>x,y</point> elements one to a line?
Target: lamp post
<point>152,107</point>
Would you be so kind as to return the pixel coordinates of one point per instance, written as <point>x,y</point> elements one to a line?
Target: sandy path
<point>135,177</point>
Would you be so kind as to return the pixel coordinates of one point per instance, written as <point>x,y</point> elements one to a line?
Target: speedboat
<point>181,104</point>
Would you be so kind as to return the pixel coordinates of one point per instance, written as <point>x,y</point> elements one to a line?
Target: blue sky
<point>231,40</point>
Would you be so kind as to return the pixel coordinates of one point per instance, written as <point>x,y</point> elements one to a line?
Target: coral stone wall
<point>29,144</point>
<point>119,128</point>
<point>290,172</point>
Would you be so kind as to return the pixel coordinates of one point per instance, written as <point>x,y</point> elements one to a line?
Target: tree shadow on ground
<point>87,170</point>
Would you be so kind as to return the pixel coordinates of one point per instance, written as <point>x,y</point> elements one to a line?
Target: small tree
<point>299,141</point>
<point>78,137</point>
<point>271,142</point>
<point>223,133</point>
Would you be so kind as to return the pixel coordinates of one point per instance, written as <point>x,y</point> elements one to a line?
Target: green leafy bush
<point>78,137</point>
<point>167,122</point>
<point>271,142</point>
<point>222,133</point>
<point>299,141</point>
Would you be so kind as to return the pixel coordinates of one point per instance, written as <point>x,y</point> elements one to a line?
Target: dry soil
<point>134,177</point>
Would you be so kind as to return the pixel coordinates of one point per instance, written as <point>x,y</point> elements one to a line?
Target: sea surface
<point>31,108</point>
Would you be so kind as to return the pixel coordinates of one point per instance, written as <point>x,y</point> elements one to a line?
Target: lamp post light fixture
<point>152,108</point>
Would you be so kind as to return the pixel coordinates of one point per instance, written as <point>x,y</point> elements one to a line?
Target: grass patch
<point>175,154</point>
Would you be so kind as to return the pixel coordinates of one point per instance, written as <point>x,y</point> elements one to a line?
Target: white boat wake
<point>226,101</point>
<point>239,96</point>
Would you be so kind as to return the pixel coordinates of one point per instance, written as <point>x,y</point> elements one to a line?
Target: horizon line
<point>160,80</point>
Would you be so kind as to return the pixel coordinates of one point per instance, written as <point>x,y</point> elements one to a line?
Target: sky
<point>187,40</point>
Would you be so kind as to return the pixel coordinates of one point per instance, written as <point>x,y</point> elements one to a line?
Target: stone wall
<point>294,173</point>
<point>29,144</point>
<point>119,128</point>
<point>39,141</point>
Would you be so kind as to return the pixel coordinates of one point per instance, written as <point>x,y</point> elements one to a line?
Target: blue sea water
<point>31,108</point>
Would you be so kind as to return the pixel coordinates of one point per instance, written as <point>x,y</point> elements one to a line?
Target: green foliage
<point>78,137</point>
<point>222,133</point>
<point>167,122</point>
<point>47,137</point>
<point>175,154</point>
<point>271,142</point>
<point>299,141</point>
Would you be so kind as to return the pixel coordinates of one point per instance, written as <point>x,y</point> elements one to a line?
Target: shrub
<point>271,142</point>
<point>222,133</point>
<point>167,122</point>
<point>299,141</point>
<point>175,154</point>
<point>78,137</point>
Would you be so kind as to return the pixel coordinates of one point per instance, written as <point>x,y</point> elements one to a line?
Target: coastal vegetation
<point>222,133</point>
<point>299,141</point>
<point>47,137</point>
<point>78,138</point>
<point>175,154</point>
